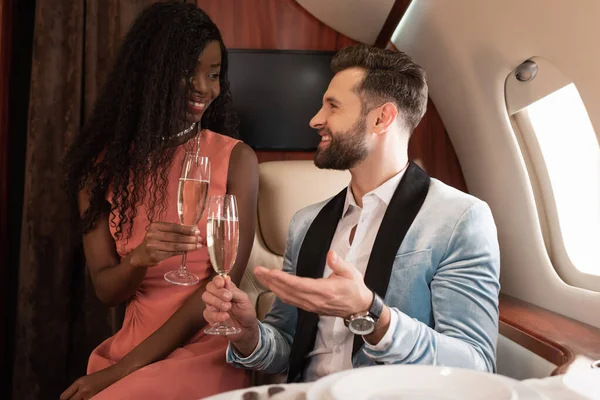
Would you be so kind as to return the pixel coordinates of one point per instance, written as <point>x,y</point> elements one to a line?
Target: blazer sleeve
<point>277,330</point>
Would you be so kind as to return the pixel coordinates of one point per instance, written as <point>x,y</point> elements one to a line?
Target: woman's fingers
<point>172,247</point>
<point>176,228</point>
<point>173,237</point>
<point>71,390</point>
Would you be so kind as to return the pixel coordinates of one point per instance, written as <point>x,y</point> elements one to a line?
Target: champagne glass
<point>222,239</point>
<point>191,201</point>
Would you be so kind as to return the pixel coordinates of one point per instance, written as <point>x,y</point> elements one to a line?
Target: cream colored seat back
<point>284,188</point>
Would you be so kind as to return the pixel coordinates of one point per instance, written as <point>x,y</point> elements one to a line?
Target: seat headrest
<point>286,187</point>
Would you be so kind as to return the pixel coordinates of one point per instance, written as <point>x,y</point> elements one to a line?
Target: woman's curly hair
<point>120,151</point>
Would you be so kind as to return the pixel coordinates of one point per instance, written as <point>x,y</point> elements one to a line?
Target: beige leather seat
<point>284,188</point>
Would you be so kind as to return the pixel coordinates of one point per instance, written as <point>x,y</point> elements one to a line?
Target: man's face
<point>341,124</point>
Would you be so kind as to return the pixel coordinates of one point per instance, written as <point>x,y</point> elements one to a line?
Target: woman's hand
<point>164,240</point>
<point>89,385</point>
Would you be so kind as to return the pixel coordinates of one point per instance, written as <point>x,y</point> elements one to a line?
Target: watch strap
<point>376,307</point>
<point>374,311</point>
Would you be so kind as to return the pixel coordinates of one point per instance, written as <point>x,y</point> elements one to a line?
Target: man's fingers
<point>298,294</point>
<point>221,293</point>
<point>212,317</point>
<point>339,266</point>
<point>211,300</point>
<point>239,296</point>
<point>219,282</point>
<point>222,316</point>
<point>305,293</point>
<point>290,297</point>
<point>293,282</point>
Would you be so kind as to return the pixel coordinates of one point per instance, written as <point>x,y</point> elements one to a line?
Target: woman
<point>168,93</point>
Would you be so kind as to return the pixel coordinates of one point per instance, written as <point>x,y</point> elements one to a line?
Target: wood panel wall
<point>273,25</point>
<point>285,25</point>
<point>5,40</point>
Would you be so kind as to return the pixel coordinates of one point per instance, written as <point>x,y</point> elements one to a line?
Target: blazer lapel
<point>399,216</point>
<point>311,264</point>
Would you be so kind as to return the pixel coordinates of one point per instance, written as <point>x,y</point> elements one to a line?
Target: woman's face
<point>204,84</point>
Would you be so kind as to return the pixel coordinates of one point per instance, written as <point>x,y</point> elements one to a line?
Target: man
<point>396,269</point>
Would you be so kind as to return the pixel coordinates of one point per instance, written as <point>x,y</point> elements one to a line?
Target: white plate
<point>420,382</point>
<point>293,388</point>
<point>320,389</point>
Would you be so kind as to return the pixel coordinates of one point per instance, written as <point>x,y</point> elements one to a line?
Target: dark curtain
<point>58,318</point>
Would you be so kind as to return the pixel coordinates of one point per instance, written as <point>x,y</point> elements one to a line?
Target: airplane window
<point>571,155</point>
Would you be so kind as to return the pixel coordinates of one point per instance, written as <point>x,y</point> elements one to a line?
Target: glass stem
<point>182,268</point>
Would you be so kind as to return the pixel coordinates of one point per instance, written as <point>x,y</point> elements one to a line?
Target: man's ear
<point>385,116</point>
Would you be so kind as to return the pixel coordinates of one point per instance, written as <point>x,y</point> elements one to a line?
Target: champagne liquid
<point>191,200</point>
<point>222,238</point>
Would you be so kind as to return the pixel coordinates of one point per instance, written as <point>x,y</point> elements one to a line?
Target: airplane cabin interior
<point>512,119</point>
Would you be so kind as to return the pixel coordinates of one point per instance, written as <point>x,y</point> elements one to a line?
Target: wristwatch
<point>363,323</point>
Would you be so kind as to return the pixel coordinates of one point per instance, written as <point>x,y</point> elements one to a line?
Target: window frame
<point>520,95</point>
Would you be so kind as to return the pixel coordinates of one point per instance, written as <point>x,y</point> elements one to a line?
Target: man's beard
<point>345,150</point>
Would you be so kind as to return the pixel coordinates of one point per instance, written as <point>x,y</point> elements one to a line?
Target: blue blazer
<point>436,264</point>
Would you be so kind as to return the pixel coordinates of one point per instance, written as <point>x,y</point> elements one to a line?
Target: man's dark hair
<point>391,76</point>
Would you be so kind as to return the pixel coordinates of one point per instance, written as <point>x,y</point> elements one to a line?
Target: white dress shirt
<point>333,345</point>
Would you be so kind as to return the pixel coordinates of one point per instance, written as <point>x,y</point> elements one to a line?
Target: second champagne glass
<point>191,201</point>
<point>222,239</point>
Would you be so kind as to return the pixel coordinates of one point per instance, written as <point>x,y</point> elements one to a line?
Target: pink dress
<point>198,369</point>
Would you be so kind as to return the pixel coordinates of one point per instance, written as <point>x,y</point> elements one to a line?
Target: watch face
<point>362,326</point>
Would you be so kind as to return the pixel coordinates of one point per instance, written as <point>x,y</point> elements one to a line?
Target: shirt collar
<point>384,192</point>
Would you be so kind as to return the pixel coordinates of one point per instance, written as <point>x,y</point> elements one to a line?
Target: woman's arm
<point>242,181</point>
<point>116,280</point>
